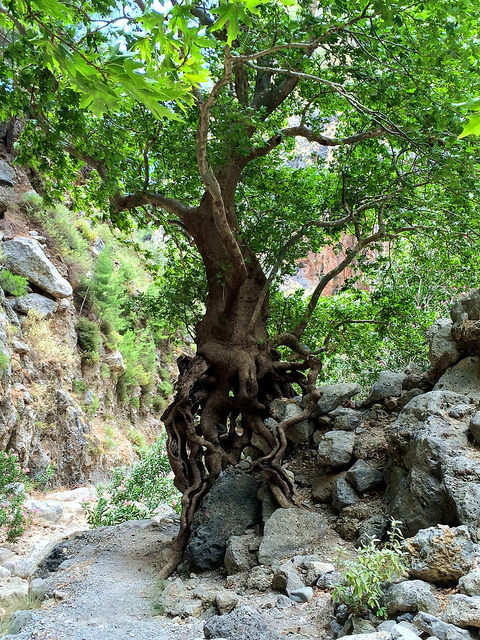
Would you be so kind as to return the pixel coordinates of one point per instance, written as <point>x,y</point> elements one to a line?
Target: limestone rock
<point>260,578</point>
<point>239,555</point>
<point>228,509</point>
<point>243,622</point>
<point>45,307</point>
<point>475,427</point>
<point>334,395</point>
<point>440,629</point>
<point>364,477</point>
<point>389,384</point>
<point>322,486</point>
<point>464,378</point>
<point>289,530</point>
<point>12,589</point>
<point>48,510</point>
<point>441,554</point>
<point>346,418</point>
<point>303,594</point>
<point>410,596</point>
<point>336,448</point>
<point>7,174</point>
<point>285,409</point>
<point>462,611</point>
<point>443,350</point>
<point>173,601</point>
<point>286,578</point>
<point>25,257</point>
<point>343,494</point>
<point>115,361</point>
<point>470,583</point>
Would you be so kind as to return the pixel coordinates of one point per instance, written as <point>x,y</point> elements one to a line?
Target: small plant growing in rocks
<point>136,493</point>
<point>13,515</point>
<point>365,577</point>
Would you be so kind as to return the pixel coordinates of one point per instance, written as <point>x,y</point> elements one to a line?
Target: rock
<point>377,635</point>
<point>288,530</point>
<point>238,556</point>
<point>283,409</point>
<point>389,384</point>
<point>437,627</point>
<point>48,510</point>
<point>462,610</point>
<point>443,350</point>
<point>334,395</point>
<point>12,589</point>
<point>464,378</point>
<point>475,427</point>
<point>260,578</point>
<point>360,625</point>
<point>164,514</point>
<point>364,477</point>
<point>441,554</point>
<point>404,631</point>
<point>25,257</point>
<point>412,596</point>
<point>346,418</point>
<point>465,314</point>
<point>45,307</point>
<point>18,621</point>
<point>283,602</point>
<point>226,601</point>
<point>115,361</point>
<point>432,473</point>
<point>7,174</point>
<point>244,623</point>
<point>373,527</point>
<point>322,486</point>
<point>343,494</point>
<point>228,509</point>
<point>330,580</point>
<point>315,569</point>
<point>174,601</point>
<point>470,583</point>
<point>286,578</point>
<point>336,448</point>
<point>5,573</point>
<point>304,594</point>
<point>6,555</point>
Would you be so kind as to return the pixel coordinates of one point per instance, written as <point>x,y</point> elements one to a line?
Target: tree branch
<point>121,202</point>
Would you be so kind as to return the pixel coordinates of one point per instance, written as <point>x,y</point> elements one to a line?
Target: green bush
<point>136,493</point>
<point>138,441</point>
<point>4,362</point>
<point>11,283</point>
<point>89,339</point>
<point>13,516</point>
<point>366,577</point>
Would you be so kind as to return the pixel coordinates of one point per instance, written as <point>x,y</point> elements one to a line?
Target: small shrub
<point>105,371</point>
<point>366,577</point>
<point>110,441</point>
<point>44,342</point>
<point>138,441</point>
<point>89,340</point>
<point>136,493</point>
<point>41,480</point>
<point>32,200</point>
<point>11,283</point>
<point>4,362</point>
<point>92,408</point>
<point>13,516</point>
<point>78,385</point>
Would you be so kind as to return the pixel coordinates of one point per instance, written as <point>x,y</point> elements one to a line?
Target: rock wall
<point>59,415</point>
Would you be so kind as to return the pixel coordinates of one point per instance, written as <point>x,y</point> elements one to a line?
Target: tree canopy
<point>192,115</point>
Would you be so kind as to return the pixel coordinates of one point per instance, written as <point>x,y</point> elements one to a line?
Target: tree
<point>380,77</point>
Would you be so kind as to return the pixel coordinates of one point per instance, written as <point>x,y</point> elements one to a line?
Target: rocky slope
<point>60,413</point>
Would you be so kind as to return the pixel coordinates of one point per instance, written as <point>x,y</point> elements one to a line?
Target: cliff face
<point>61,412</point>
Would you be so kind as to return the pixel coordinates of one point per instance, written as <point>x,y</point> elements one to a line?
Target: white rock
<point>49,510</point>
<point>11,589</point>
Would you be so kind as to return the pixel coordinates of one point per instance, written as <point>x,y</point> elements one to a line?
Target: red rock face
<point>315,265</point>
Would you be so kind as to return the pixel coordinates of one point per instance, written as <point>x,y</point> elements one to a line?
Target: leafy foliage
<point>366,577</point>
<point>13,284</point>
<point>13,516</point>
<point>89,339</point>
<point>136,493</point>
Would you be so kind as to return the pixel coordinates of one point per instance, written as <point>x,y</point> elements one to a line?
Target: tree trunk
<point>223,394</point>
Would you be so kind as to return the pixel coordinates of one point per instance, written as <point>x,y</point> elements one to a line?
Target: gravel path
<point>106,578</point>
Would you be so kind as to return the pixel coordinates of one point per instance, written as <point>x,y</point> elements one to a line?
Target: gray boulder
<point>375,526</point>
<point>442,348</point>
<point>432,473</point>
<point>388,385</point>
<point>470,583</point>
<point>343,494</point>
<point>462,610</point>
<point>289,530</point>
<point>410,596</point>
<point>286,578</point>
<point>464,378</point>
<point>322,486</point>
<point>441,554</point>
<point>465,314</point>
<point>241,554</point>
<point>45,307</point>
<point>11,590</point>
<point>335,449</point>
<point>244,623</point>
<point>25,257</point>
<point>283,409</point>
<point>228,509</point>
<point>7,174</point>
<point>438,628</point>
<point>364,477</point>
<point>115,362</point>
<point>346,418</point>
<point>303,594</point>
<point>334,395</point>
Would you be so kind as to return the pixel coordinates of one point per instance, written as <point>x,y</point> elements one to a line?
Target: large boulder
<point>364,477</point>
<point>335,448</point>
<point>443,350</point>
<point>244,623</point>
<point>462,610</point>
<point>334,395</point>
<point>7,174</point>
<point>241,553</point>
<point>470,583</point>
<point>464,378</point>
<point>343,494</point>
<point>11,590</point>
<point>283,409</point>
<point>25,257</point>
<point>432,475</point>
<point>228,509</point>
<point>44,307</point>
<point>388,385</point>
<point>410,596</point>
<point>437,628</point>
<point>441,554</point>
<point>465,315</point>
<point>289,531</point>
